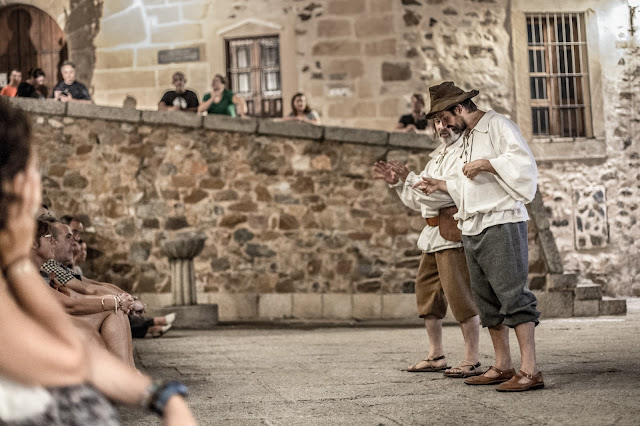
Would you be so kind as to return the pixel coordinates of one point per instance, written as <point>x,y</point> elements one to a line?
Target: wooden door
<point>30,38</point>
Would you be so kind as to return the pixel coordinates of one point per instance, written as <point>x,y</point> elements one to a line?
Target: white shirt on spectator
<point>491,199</point>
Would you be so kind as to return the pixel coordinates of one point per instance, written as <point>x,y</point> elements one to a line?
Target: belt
<point>433,221</point>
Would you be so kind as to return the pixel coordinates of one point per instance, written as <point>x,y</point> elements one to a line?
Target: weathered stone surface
<point>337,306</point>
<point>586,308</point>
<point>177,118</point>
<point>381,48</point>
<point>275,305</point>
<point>399,306</point>
<point>101,112</point>
<point>610,306</point>
<point>334,28</point>
<point>37,106</point>
<point>371,137</point>
<point>550,251</point>
<point>346,7</point>
<point>232,220</point>
<point>177,222</point>
<point>368,26</point>
<point>307,305</point>
<point>561,282</point>
<point>588,292</point>
<point>75,180</point>
<point>412,140</point>
<point>336,48</point>
<point>230,124</point>
<point>396,71</point>
<point>125,28</point>
<point>367,306</point>
<point>555,305</point>
<point>290,129</point>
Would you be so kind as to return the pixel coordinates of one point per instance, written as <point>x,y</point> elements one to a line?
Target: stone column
<point>181,251</point>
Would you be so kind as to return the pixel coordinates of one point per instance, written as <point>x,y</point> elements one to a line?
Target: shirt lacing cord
<point>467,147</point>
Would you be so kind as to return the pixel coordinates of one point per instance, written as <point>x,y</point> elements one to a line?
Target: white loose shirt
<point>443,164</point>
<point>491,199</point>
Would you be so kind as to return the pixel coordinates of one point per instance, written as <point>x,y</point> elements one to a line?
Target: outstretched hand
<point>401,170</point>
<point>381,170</point>
<point>430,185</point>
<point>17,236</point>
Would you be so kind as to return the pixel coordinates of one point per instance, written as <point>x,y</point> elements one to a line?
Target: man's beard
<point>451,133</point>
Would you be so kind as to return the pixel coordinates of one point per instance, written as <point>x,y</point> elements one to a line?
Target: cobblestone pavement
<point>241,375</point>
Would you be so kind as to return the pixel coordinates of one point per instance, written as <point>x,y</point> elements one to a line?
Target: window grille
<point>558,75</point>
<point>253,70</point>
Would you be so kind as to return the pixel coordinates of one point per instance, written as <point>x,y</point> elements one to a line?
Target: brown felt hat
<point>446,95</point>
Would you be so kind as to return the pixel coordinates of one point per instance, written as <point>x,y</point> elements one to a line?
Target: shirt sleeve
<point>63,275</point>
<point>515,165</point>
<point>418,200</point>
<point>84,93</point>
<point>192,102</point>
<point>165,99</point>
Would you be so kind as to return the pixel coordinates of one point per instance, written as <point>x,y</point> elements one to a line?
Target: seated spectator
<point>301,111</point>
<point>49,373</point>
<point>180,99</point>
<point>70,90</point>
<point>140,325</point>
<point>107,315</point>
<point>80,258</point>
<point>416,120</point>
<point>222,101</point>
<point>11,89</point>
<point>33,87</point>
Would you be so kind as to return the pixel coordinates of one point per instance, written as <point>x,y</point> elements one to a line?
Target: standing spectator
<point>301,111</point>
<point>180,99</point>
<point>70,90</point>
<point>11,89</point>
<point>222,101</point>
<point>33,87</point>
<point>416,120</point>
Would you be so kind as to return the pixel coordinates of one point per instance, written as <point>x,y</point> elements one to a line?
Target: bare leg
<point>500,339</point>
<point>159,321</point>
<point>526,339</point>
<point>434,331</point>
<point>117,336</point>
<point>471,334</point>
<point>88,332</point>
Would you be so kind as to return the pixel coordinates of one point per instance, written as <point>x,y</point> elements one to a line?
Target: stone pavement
<point>240,375</point>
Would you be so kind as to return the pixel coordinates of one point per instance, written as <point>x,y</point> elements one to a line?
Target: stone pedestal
<point>189,314</point>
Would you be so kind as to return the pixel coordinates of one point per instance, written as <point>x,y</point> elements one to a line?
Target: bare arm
<point>241,106</point>
<point>205,105</point>
<point>164,107</point>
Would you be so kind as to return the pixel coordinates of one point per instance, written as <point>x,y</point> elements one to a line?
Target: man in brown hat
<point>497,177</point>
<point>443,277</point>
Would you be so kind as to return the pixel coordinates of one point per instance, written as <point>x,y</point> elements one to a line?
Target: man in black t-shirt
<point>416,121</point>
<point>180,99</point>
<point>70,90</point>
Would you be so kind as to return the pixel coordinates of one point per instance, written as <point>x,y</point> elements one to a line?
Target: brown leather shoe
<point>531,383</point>
<point>503,376</point>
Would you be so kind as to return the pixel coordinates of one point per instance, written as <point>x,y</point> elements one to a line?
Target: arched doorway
<point>30,38</point>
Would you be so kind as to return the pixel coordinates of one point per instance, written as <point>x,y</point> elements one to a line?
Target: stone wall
<point>295,226</point>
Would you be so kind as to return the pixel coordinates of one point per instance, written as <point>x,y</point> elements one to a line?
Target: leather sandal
<point>430,368</point>
<point>502,376</point>
<point>532,382</point>
<point>465,369</point>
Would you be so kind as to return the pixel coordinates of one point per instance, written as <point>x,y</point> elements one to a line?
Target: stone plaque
<point>187,54</point>
<point>590,217</point>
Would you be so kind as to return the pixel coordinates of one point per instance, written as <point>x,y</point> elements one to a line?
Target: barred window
<point>253,70</point>
<point>558,75</point>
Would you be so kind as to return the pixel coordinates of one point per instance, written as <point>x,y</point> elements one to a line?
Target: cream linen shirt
<point>491,199</point>
<point>444,163</point>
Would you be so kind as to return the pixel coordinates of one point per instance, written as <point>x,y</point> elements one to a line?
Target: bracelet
<point>16,262</point>
<point>158,394</point>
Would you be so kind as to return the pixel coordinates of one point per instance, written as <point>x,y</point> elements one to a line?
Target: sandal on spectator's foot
<point>429,368</point>
<point>502,376</point>
<point>463,370</point>
<point>531,382</point>
<point>163,330</point>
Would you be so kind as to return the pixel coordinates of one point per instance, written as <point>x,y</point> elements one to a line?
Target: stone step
<point>612,306</point>
<point>561,282</point>
<point>588,292</point>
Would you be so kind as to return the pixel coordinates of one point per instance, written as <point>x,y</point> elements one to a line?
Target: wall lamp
<point>633,5</point>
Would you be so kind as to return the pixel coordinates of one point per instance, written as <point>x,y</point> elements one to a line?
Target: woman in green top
<point>222,101</point>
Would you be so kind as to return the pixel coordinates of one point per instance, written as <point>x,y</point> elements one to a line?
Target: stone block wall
<point>295,224</point>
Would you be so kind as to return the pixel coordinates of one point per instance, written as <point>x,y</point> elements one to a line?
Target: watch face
<point>180,102</point>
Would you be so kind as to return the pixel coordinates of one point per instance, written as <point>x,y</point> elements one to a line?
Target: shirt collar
<point>444,146</point>
<point>483,124</point>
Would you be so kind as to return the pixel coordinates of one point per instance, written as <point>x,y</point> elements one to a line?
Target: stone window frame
<point>283,27</point>
<point>574,148</point>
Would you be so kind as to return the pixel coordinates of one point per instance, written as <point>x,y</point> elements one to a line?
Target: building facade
<point>566,72</point>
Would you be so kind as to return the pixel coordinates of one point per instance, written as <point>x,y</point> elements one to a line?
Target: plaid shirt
<point>62,273</point>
